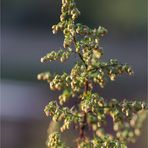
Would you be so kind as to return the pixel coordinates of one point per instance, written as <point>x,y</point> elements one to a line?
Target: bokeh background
<point>26,36</point>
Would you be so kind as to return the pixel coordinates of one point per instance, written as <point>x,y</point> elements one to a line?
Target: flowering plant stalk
<point>91,109</point>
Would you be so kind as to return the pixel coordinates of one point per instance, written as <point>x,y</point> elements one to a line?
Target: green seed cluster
<point>78,76</point>
<point>106,142</point>
<point>61,55</point>
<point>85,30</point>
<point>86,143</point>
<point>65,96</point>
<point>112,69</point>
<point>46,76</point>
<point>127,122</point>
<point>69,116</point>
<point>134,113</point>
<point>58,82</point>
<point>90,101</point>
<point>54,141</point>
<point>91,109</point>
<point>74,81</point>
<point>89,45</point>
<point>95,106</point>
<point>69,13</point>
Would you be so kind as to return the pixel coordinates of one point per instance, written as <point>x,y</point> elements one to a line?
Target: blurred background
<point>26,36</point>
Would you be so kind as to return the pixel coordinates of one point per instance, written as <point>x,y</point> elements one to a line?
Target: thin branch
<point>74,41</point>
<point>84,122</point>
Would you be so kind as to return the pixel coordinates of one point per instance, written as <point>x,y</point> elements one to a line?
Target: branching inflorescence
<point>91,109</point>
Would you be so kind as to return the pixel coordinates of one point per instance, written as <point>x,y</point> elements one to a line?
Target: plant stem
<point>82,127</point>
<point>84,122</point>
<point>74,41</point>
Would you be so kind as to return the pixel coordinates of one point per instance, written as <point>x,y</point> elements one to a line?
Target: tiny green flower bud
<point>42,60</point>
<point>112,77</point>
<point>137,132</point>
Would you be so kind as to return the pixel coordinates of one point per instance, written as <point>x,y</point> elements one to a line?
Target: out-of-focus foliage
<point>129,14</point>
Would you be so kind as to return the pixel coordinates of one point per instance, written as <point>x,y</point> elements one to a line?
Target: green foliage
<point>54,141</point>
<point>91,109</point>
